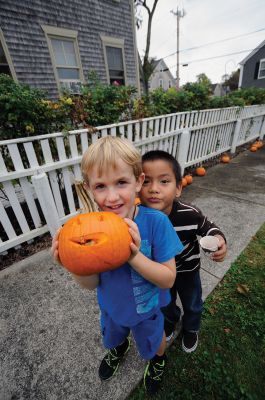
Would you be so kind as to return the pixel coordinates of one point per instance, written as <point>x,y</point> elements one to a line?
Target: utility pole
<point>179,14</point>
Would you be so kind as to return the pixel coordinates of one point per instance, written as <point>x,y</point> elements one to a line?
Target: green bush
<point>106,104</point>
<point>23,113</point>
<point>26,111</point>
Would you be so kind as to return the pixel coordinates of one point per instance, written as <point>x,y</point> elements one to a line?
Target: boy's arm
<point>207,227</point>
<point>86,282</point>
<point>162,274</point>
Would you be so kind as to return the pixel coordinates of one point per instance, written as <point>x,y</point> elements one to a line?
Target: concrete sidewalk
<point>50,344</point>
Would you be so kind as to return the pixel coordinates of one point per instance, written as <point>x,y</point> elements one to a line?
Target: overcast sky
<point>205,21</point>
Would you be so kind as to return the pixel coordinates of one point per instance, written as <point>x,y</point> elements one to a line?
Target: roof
<point>252,53</point>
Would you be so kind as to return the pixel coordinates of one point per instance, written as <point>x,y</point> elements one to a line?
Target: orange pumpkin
<point>94,242</point>
<point>258,144</point>
<point>137,201</point>
<point>253,148</point>
<point>189,179</point>
<point>200,171</point>
<point>184,182</point>
<point>225,159</point>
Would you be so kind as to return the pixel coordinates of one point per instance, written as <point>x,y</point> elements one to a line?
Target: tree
<point>204,80</point>
<point>147,64</point>
<point>232,80</point>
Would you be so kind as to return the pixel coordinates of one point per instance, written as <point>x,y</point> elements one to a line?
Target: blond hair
<point>104,154</point>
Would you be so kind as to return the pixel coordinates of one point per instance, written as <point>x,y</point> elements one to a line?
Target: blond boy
<point>131,296</point>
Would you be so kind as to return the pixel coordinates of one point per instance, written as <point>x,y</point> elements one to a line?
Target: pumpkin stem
<point>85,197</point>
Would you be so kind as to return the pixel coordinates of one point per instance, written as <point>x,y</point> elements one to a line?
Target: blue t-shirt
<point>123,293</point>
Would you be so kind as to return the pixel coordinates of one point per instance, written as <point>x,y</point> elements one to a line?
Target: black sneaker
<point>112,359</point>
<point>189,341</point>
<point>153,374</point>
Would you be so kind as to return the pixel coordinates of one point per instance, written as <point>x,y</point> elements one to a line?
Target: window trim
<point>52,32</point>
<point>262,60</point>
<point>8,57</point>
<point>117,43</point>
<point>161,83</point>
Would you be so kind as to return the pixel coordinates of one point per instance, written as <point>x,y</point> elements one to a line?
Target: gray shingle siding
<point>21,25</point>
<point>249,79</point>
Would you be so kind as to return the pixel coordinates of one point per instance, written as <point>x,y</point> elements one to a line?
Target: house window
<point>261,74</point>
<point>113,50</point>
<point>161,83</point>
<point>169,84</point>
<point>6,65</point>
<point>65,58</point>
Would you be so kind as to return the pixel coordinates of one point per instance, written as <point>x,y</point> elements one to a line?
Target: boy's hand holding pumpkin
<point>55,247</point>
<point>135,234</point>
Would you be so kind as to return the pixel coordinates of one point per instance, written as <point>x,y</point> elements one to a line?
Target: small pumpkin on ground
<point>94,242</point>
<point>225,159</point>
<point>258,144</point>
<point>184,182</point>
<point>189,179</point>
<point>253,148</point>
<point>200,171</point>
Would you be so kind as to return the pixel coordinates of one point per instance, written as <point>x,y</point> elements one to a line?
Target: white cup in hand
<point>209,244</point>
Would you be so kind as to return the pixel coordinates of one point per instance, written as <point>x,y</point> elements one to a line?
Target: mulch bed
<point>25,250</point>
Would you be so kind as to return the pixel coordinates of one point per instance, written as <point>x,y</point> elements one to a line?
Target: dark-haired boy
<point>161,190</point>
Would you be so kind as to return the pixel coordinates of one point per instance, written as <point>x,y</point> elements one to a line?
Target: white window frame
<point>52,32</point>
<point>169,83</point>
<point>7,56</point>
<point>161,83</point>
<point>261,69</point>
<point>113,42</point>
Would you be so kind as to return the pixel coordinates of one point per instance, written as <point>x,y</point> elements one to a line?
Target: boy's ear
<point>178,190</point>
<point>140,182</point>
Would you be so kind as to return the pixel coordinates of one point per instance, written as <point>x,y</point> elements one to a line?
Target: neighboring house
<point>252,69</point>
<point>161,77</point>
<point>55,44</point>
<point>219,90</point>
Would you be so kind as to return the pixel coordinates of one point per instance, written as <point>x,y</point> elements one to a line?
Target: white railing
<point>191,137</point>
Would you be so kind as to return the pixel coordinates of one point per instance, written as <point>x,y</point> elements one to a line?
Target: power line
<point>211,58</point>
<point>217,41</point>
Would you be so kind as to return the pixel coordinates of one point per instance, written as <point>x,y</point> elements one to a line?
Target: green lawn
<point>229,362</point>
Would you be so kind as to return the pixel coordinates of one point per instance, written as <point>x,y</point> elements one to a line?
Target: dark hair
<point>163,155</point>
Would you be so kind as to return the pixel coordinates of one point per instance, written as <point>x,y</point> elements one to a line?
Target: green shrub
<point>23,110</point>
<point>106,104</point>
<point>26,111</point>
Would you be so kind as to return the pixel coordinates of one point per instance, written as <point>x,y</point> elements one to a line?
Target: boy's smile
<point>115,189</point>
<point>159,188</point>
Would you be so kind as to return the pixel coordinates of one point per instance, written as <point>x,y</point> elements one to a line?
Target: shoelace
<point>158,372</point>
<point>110,358</point>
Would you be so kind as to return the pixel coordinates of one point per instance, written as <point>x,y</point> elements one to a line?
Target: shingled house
<point>161,76</point>
<point>252,68</point>
<point>55,44</point>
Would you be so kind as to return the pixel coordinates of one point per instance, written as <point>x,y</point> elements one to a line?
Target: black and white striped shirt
<point>189,223</point>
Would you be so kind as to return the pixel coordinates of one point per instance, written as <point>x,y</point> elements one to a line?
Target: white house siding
<point>160,74</point>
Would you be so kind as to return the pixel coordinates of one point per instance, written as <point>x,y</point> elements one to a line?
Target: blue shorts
<point>147,334</point>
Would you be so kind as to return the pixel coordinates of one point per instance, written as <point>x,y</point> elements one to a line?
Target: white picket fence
<point>191,137</point>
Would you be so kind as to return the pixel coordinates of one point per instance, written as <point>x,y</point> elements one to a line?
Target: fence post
<point>262,130</point>
<point>46,200</point>
<point>236,136</point>
<point>183,149</point>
